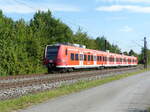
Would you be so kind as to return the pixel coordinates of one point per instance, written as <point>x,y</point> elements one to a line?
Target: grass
<point>25,101</point>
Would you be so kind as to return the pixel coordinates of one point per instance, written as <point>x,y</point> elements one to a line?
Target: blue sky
<point>123,22</point>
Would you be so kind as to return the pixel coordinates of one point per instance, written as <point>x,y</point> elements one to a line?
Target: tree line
<point>22,43</point>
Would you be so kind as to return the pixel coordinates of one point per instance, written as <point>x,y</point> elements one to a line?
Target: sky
<point>122,22</point>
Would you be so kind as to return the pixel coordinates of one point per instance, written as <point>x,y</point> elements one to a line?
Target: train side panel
<point>75,57</point>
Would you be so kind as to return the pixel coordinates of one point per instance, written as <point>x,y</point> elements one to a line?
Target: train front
<point>50,56</point>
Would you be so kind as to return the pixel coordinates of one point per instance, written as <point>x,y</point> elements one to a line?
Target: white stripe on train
<point>94,66</point>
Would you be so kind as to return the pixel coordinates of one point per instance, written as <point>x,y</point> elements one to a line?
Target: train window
<point>66,52</point>
<point>52,52</point>
<point>100,58</point>
<point>76,57</point>
<point>72,56</point>
<point>109,59</point>
<point>85,57</point>
<point>103,58</point>
<point>97,58</point>
<point>120,59</point>
<point>89,57</point>
<point>81,57</point>
<point>129,60</point>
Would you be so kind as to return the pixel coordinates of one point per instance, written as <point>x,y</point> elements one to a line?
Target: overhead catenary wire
<point>137,43</point>
<point>73,22</point>
<point>70,20</point>
<point>25,4</point>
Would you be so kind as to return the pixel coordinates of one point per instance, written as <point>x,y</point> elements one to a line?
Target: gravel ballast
<point>20,91</point>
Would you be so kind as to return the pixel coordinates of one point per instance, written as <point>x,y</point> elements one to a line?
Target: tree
<point>125,53</point>
<point>100,41</point>
<point>82,38</point>
<point>132,53</point>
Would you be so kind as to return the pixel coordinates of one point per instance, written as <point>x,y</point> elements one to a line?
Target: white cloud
<point>127,29</point>
<point>59,7</point>
<point>131,8</point>
<point>131,1</point>
<point>16,7</point>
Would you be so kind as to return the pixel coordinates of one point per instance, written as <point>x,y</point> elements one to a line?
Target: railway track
<point>27,80</point>
<point>35,83</point>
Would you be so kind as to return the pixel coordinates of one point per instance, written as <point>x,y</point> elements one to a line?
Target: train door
<point>107,60</point>
<point>81,59</point>
<point>115,60</point>
<point>95,59</point>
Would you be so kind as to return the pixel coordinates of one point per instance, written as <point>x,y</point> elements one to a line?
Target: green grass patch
<point>25,101</point>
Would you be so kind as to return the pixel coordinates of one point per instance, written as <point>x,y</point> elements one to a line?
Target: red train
<point>69,57</point>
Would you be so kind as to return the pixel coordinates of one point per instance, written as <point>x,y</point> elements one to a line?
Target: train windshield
<point>52,52</point>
